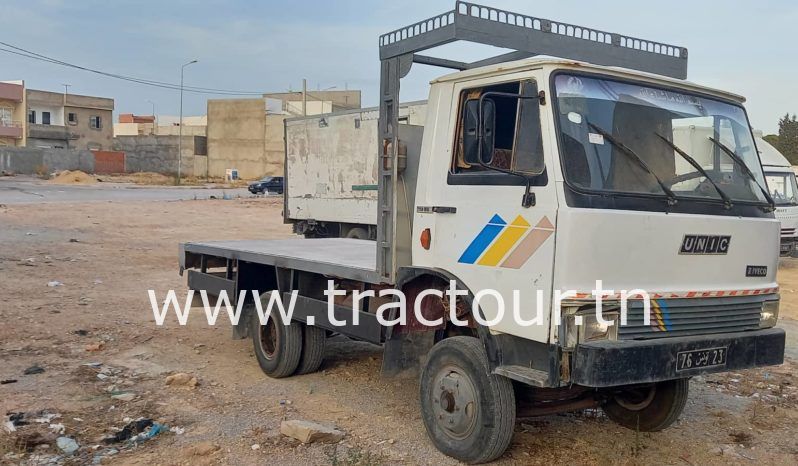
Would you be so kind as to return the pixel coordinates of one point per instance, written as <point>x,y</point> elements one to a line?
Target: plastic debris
<point>154,430</point>
<point>57,428</point>
<point>54,283</point>
<point>131,429</point>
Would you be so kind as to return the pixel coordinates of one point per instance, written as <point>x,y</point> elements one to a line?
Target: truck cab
<point>784,190</point>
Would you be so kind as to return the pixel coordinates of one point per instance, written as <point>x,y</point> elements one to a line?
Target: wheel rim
<point>269,339</point>
<point>454,402</point>
<point>636,399</point>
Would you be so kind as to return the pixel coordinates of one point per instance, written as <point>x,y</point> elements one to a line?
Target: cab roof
<point>560,63</point>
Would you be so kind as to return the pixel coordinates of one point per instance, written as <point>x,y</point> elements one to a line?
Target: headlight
<point>770,314</point>
<point>589,329</point>
<point>592,330</point>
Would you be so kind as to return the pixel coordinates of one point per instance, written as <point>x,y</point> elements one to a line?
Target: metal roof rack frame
<point>528,36</point>
<point>525,36</point>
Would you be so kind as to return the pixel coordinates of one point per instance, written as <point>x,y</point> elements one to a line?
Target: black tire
<point>278,347</point>
<point>649,409</point>
<point>313,342</point>
<point>357,233</point>
<point>485,433</point>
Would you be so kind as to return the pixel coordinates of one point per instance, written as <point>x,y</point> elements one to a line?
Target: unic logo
<point>509,246</point>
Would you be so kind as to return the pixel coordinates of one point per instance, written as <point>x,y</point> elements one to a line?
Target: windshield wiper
<point>632,155</point>
<point>727,202</point>
<point>740,163</point>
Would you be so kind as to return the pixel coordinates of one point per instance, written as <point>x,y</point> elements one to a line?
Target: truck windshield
<point>783,188</point>
<point>599,117</point>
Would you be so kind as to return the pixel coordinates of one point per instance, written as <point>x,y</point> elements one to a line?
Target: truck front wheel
<point>278,347</point>
<point>649,408</point>
<point>469,413</point>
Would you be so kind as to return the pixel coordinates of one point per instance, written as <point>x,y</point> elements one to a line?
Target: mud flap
<point>405,353</point>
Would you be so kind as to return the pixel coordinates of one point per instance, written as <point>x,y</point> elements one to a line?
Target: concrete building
<point>169,125</point>
<point>68,121</point>
<point>164,125</point>
<point>12,113</point>
<point>134,125</point>
<point>247,134</point>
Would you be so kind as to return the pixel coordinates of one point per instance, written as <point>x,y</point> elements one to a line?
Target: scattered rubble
<point>202,449</point>
<point>182,379</point>
<point>93,347</point>
<point>124,396</point>
<point>310,432</point>
<point>35,369</point>
<point>67,445</point>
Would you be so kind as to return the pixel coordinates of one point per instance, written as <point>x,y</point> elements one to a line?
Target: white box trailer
<point>331,171</point>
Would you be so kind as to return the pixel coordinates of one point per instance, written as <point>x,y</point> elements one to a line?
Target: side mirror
<point>528,147</point>
<point>479,136</point>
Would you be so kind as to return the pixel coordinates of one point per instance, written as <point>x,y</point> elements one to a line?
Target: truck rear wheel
<point>651,408</point>
<point>313,342</point>
<point>469,413</point>
<point>357,233</point>
<point>278,347</point>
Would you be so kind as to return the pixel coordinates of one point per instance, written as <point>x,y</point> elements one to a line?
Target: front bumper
<point>613,363</point>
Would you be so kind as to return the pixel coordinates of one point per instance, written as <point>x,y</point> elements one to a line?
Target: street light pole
<point>154,118</point>
<point>180,130</point>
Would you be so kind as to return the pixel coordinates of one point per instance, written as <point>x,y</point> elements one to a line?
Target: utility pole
<point>65,114</point>
<point>154,118</point>
<point>180,129</point>
<point>304,97</point>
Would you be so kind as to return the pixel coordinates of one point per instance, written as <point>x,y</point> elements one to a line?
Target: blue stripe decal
<point>483,240</point>
<point>666,316</point>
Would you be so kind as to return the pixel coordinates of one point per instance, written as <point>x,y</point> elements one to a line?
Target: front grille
<point>788,232</point>
<point>692,316</point>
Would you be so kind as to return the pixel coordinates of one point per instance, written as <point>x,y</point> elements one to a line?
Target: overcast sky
<point>266,46</point>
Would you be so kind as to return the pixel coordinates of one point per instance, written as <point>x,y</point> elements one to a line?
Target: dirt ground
<point>73,301</point>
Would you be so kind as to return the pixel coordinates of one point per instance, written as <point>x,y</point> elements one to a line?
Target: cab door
<point>481,233</point>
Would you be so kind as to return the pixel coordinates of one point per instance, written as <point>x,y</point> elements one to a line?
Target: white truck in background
<point>780,177</point>
<point>331,172</point>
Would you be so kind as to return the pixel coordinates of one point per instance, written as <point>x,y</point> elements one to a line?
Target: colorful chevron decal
<point>660,317</point>
<point>508,246</point>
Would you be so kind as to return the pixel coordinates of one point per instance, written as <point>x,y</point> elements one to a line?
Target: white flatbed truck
<point>536,175</point>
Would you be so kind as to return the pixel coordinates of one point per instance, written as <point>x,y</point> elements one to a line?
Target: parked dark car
<point>267,185</point>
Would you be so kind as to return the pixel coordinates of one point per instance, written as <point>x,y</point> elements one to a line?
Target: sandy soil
<point>105,256</point>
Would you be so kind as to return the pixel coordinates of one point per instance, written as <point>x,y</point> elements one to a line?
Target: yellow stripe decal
<point>505,242</point>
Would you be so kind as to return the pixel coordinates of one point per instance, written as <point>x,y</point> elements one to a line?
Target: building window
<point>32,117</point>
<point>95,122</point>
<point>45,118</point>
<point>72,118</point>
<point>5,116</point>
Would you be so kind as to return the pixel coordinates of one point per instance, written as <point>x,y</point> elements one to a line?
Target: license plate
<point>786,247</point>
<point>696,359</point>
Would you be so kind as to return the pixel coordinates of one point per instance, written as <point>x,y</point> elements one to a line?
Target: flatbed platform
<point>353,259</point>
